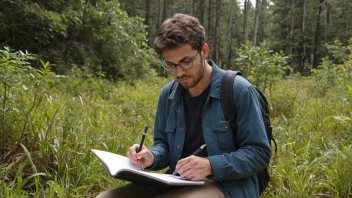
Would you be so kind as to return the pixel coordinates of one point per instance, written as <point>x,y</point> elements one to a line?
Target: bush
<point>96,36</point>
<point>335,68</point>
<point>260,65</point>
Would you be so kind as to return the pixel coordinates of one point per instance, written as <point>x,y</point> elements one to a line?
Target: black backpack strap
<point>226,99</point>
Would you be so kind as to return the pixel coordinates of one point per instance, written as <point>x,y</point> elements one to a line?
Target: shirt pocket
<point>224,134</point>
<point>170,133</point>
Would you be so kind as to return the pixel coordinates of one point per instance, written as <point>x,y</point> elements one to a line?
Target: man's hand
<point>142,159</point>
<point>194,168</point>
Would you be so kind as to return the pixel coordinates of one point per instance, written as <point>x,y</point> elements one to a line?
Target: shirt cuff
<point>217,166</point>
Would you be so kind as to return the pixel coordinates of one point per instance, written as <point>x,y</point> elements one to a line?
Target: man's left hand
<point>194,168</point>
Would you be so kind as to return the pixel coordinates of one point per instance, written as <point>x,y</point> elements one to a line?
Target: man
<point>189,115</point>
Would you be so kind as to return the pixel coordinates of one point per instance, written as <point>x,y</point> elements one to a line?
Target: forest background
<point>77,75</point>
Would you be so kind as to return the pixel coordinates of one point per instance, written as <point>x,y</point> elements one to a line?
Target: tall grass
<point>50,123</point>
<point>314,138</point>
<point>67,124</point>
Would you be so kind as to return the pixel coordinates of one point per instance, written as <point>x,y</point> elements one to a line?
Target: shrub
<point>260,65</point>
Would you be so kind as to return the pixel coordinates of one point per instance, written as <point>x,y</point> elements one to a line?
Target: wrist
<point>152,160</point>
<point>210,168</point>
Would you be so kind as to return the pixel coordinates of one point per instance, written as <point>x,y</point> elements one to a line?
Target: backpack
<point>228,107</point>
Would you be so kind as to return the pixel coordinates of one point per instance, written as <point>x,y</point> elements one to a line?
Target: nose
<point>179,71</point>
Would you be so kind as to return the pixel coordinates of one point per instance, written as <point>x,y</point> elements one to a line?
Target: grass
<point>50,128</point>
<point>314,139</point>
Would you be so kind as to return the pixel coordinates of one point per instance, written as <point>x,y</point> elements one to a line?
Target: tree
<point>147,12</point>
<point>245,14</point>
<point>96,36</point>
<point>210,24</point>
<point>317,36</point>
<point>165,10</point>
<point>191,7</point>
<point>229,56</point>
<point>327,21</point>
<point>304,24</point>
<point>292,29</point>
<point>217,33</point>
<point>160,17</point>
<point>201,14</point>
<point>256,22</point>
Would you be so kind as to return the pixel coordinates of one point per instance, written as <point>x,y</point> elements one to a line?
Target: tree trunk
<point>147,9</point>
<point>292,30</point>
<point>165,10</point>
<point>349,12</point>
<point>263,20</point>
<point>327,22</point>
<point>210,25</point>
<point>303,53</point>
<point>191,7</point>
<point>217,33</point>
<point>256,22</point>
<point>230,37</point>
<point>160,18</point>
<point>316,37</point>
<point>245,31</point>
<point>201,17</point>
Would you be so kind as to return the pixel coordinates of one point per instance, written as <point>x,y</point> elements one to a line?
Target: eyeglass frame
<point>181,62</point>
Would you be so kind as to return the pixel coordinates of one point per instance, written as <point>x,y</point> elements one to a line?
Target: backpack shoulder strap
<point>226,98</point>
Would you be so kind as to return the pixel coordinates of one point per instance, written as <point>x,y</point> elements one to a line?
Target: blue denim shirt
<point>233,170</point>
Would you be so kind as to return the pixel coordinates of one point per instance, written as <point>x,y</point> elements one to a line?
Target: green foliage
<point>100,34</point>
<point>338,176</point>
<point>52,122</point>
<point>15,76</point>
<point>335,68</point>
<point>284,101</point>
<point>260,65</point>
<point>313,134</point>
<point>96,37</point>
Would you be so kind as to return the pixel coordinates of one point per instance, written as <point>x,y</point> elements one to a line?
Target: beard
<point>192,80</point>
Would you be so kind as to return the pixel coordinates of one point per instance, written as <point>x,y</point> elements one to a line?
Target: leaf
<point>29,158</point>
<point>15,109</point>
<point>25,87</point>
<point>342,118</point>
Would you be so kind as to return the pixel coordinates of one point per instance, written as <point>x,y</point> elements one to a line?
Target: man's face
<point>184,53</point>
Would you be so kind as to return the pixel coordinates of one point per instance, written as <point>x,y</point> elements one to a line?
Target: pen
<point>195,154</point>
<point>199,150</point>
<point>143,137</point>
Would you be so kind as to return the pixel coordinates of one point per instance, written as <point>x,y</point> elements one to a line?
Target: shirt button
<point>225,127</point>
<point>178,147</point>
<point>181,129</point>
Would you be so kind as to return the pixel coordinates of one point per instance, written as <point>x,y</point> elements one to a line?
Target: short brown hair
<point>180,29</point>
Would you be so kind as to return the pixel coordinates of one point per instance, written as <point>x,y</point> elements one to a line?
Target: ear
<point>205,51</point>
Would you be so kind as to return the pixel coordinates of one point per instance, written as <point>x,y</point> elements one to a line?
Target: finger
<point>146,157</point>
<point>133,149</point>
<point>132,154</point>
<point>182,170</point>
<point>145,153</point>
<point>190,169</point>
<point>187,173</point>
<point>182,162</point>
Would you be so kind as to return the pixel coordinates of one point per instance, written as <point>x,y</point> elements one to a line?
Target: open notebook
<point>121,168</point>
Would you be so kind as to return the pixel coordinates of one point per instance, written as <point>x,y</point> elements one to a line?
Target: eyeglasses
<point>183,64</point>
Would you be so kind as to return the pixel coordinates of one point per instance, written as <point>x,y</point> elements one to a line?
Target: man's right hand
<point>143,159</point>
